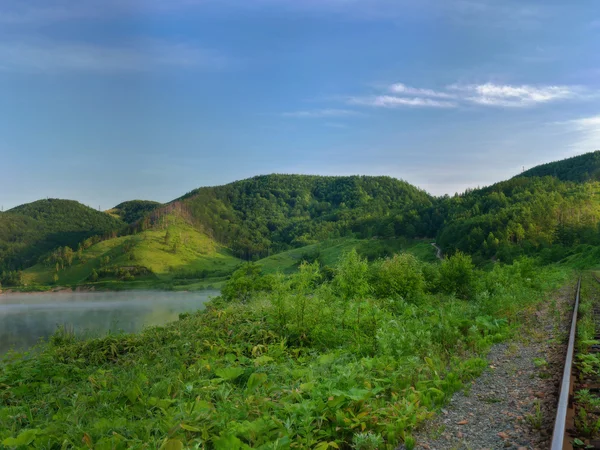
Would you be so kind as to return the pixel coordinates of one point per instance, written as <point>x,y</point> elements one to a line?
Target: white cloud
<point>491,94</point>
<point>400,88</point>
<point>320,113</point>
<point>487,94</point>
<point>141,55</point>
<point>390,101</point>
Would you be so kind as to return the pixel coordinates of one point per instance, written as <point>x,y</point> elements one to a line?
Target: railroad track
<point>566,434</point>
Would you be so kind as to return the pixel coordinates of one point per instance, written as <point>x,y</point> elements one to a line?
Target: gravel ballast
<point>513,403</point>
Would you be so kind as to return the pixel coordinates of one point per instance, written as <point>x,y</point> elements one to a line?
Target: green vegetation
<point>337,327</point>
<point>30,231</point>
<point>283,220</point>
<point>522,216</point>
<point>134,210</point>
<point>358,358</point>
<point>580,168</point>
<point>587,363</point>
<point>268,214</point>
<point>173,253</point>
<point>329,252</point>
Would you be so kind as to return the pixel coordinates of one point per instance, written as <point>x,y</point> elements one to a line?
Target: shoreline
<point>87,289</point>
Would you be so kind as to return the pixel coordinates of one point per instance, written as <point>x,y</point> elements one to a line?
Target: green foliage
<point>580,168</point>
<point>457,276</point>
<point>11,278</point>
<point>244,282</point>
<point>296,360</point>
<point>351,278</point>
<point>267,214</point>
<point>144,258</point>
<point>134,210</point>
<point>32,230</point>
<point>522,216</point>
<point>401,275</point>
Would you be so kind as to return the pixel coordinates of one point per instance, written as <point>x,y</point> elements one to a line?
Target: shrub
<point>244,282</point>
<point>400,275</point>
<point>457,276</point>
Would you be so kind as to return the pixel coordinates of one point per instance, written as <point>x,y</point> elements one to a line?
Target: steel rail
<point>558,436</point>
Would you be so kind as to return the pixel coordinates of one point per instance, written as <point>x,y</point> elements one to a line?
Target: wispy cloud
<point>141,55</point>
<point>390,101</point>
<point>487,94</point>
<point>401,88</point>
<point>321,113</point>
<point>587,132</point>
<point>491,94</point>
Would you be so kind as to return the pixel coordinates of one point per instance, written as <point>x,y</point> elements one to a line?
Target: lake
<point>25,318</point>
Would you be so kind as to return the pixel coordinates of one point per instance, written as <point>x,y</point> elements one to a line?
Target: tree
<point>68,255</point>
<point>94,275</point>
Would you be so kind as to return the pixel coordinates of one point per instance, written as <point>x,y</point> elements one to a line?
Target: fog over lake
<point>25,318</point>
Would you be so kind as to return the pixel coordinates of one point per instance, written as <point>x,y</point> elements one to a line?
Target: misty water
<point>26,318</point>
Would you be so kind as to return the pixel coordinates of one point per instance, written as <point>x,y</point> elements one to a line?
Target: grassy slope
<point>196,252</point>
<point>330,252</point>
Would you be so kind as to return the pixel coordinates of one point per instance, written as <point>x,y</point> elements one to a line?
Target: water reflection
<point>25,318</point>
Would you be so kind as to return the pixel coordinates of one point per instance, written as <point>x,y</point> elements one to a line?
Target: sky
<point>103,101</point>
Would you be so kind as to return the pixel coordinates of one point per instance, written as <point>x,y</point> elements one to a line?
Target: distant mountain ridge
<point>269,214</point>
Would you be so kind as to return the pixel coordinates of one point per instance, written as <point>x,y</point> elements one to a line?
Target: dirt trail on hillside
<point>438,251</point>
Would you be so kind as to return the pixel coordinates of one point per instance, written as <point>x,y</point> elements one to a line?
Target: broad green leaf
<point>227,443</point>
<point>256,379</point>
<point>262,360</point>
<point>173,444</point>
<point>229,373</point>
<point>25,438</point>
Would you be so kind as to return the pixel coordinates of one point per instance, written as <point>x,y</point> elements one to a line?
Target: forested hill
<point>579,168</point>
<point>270,213</point>
<point>133,210</point>
<point>31,230</point>
<point>526,215</point>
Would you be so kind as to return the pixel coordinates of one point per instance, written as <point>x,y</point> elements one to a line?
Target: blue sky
<point>103,101</point>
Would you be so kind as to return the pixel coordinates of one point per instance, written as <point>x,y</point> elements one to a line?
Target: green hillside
<point>172,253</point>
<point>328,253</point>
<point>268,214</point>
<point>31,230</point>
<point>281,220</point>
<point>524,215</point>
<point>580,168</point>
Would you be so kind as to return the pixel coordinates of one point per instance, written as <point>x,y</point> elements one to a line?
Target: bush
<point>244,282</point>
<point>400,275</point>
<point>457,276</point>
